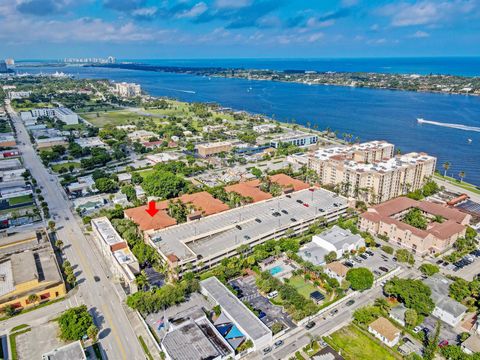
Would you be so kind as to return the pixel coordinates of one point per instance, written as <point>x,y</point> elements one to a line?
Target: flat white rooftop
<point>213,235</point>
<point>108,233</point>
<point>250,324</point>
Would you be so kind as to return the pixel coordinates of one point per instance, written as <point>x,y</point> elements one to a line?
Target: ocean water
<point>366,113</point>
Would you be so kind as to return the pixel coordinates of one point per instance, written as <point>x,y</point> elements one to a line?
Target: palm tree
<point>33,298</point>
<point>446,166</point>
<point>382,304</point>
<point>141,280</point>
<point>461,174</point>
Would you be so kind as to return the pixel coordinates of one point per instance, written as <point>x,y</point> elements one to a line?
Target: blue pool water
<point>275,270</point>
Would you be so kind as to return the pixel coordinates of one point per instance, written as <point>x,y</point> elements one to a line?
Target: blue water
<point>366,113</point>
<point>275,270</point>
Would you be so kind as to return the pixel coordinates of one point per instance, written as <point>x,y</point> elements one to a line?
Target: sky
<point>147,29</point>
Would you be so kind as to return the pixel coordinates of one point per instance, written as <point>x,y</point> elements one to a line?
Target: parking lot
<point>379,263</point>
<point>446,332</point>
<point>467,268</point>
<point>269,313</point>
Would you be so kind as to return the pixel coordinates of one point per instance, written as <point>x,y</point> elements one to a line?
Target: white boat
<point>469,141</point>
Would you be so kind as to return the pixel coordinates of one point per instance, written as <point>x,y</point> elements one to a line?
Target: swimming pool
<point>276,269</point>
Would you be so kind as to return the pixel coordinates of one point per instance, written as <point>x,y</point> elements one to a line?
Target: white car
<point>417,329</point>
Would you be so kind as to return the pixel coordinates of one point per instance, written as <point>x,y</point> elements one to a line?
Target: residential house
<point>384,330</point>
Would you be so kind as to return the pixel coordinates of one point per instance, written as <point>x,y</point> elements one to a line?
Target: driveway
<point>250,294</point>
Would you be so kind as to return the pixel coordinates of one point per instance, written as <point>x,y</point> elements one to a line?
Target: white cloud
<point>420,34</point>
<point>232,4</point>
<point>197,10</point>
<point>145,12</point>
<point>426,12</point>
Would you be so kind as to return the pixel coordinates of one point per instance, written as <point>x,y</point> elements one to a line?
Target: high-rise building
<point>370,171</point>
<point>3,67</point>
<point>128,89</point>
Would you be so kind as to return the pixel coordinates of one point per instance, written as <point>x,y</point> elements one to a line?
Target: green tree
<point>411,318</point>
<point>59,244</point>
<point>429,269</point>
<point>106,185</point>
<point>405,256</point>
<point>360,278</point>
<point>163,184</point>
<point>74,323</point>
<point>459,289</point>
<point>413,293</point>
<point>330,257</point>
<point>256,172</point>
<point>33,298</point>
<point>92,332</point>
<point>388,249</point>
<point>446,166</point>
<point>432,344</point>
<point>277,327</point>
<point>51,225</point>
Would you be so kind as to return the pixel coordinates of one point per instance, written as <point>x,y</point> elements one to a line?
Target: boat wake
<point>180,90</point>
<point>453,126</point>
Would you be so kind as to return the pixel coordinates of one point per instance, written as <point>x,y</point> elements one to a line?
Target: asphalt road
<point>117,337</point>
<point>298,338</point>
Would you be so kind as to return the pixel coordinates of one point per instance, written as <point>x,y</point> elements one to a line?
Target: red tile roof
<point>249,189</point>
<point>450,226</point>
<point>286,181</point>
<point>201,201</point>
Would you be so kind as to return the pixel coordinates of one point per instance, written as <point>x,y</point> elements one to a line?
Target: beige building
<point>210,149</point>
<point>370,171</point>
<point>29,273</point>
<point>387,220</point>
<point>128,89</point>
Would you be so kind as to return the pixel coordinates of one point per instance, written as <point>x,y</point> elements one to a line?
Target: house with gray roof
<point>398,314</point>
<point>446,309</point>
<point>334,239</point>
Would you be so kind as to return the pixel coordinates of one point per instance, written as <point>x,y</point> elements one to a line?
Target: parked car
<point>417,329</point>
<point>96,278</point>
<point>369,252</point>
<point>383,268</point>
<point>363,256</point>
<point>272,294</point>
<point>284,211</point>
<point>278,343</point>
<point>442,343</point>
<point>267,350</point>
<point>310,325</point>
<point>350,302</point>
<point>348,264</point>
<point>333,312</point>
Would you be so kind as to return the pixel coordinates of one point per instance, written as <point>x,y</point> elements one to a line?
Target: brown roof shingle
<point>385,328</point>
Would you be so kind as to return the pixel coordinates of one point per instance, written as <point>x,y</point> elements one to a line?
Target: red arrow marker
<point>152,210</point>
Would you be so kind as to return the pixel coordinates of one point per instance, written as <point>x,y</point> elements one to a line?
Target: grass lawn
<point>144,173</point>
<point>303,287</point>
<point>355,345</point>
<point>121,117</point>
<point>20,200</point>
<point>456,182</point>
<point>57,167</point>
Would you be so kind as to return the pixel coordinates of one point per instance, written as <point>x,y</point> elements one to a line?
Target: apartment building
<point>128,89</point>
<point>371,171</point>
<point>297,138</point>
<point>387,219</point>
<point>61,113</point>
<point>210,149</point>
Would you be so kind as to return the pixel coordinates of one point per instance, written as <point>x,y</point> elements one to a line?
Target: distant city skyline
<point>136,29</point>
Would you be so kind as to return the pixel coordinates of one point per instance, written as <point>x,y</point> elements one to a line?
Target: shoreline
<point>309,78</point>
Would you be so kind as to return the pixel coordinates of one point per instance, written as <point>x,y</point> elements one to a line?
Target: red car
<point>306,205</point>
<point>442,343</point>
